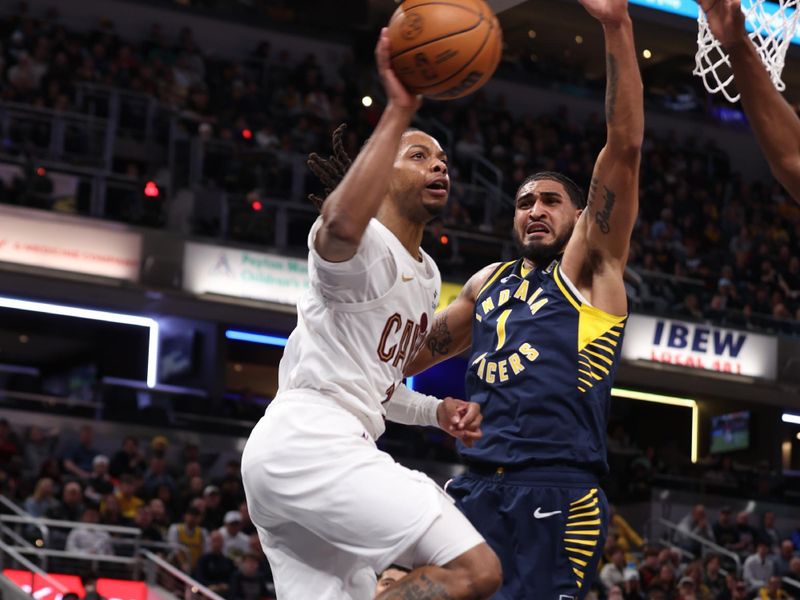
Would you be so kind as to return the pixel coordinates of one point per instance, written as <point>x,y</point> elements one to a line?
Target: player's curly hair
<point>331,170</point>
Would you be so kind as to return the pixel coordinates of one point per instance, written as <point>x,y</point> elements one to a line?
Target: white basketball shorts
<point>332,510</point>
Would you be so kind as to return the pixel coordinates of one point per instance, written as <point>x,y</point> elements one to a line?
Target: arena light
<point>790,418</point>
<point>96,315</point>
<point>366,101</point>
<point>669,400</point>
<point>256,338</point>
<point>151,189</point>
<point>647,54</point>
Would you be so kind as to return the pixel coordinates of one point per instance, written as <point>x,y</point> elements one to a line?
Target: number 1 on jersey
<point>501,328</point>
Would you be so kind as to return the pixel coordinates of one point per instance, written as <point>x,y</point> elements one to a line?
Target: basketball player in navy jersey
<point>546,332</point>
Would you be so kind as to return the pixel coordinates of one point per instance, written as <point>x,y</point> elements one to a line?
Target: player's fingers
<point>471,413</point>
<point>382,51</point>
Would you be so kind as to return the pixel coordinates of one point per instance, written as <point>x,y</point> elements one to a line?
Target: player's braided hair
<point>331,170</point>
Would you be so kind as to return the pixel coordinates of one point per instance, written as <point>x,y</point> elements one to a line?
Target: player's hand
<point>726,20</point>
<point>608,12</point>
<point>398,95</point>
<point>460,419</point>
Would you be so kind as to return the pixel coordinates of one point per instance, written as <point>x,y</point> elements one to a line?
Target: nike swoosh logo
<point>407,278</point>
<point>538,514</point>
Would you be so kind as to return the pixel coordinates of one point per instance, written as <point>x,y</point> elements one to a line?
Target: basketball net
<point>772,33</point>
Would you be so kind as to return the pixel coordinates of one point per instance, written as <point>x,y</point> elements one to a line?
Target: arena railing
<point>10,558</point>
<point>159,572</point>
<point>792,583</point>
<point>704,543</point>
<point>44,531</point>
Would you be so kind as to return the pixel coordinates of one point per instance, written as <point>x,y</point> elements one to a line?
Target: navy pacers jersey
<point>543,362</point>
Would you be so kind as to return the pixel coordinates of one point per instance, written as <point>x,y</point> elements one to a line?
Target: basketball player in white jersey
<point>774,121</point>
<point>330,508</point>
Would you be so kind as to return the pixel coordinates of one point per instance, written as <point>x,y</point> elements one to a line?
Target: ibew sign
<point>700,346</point>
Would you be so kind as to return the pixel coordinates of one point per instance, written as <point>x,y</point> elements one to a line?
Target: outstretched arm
<point>598,250</point>
<point>775,124</point>
<point>349,208</point>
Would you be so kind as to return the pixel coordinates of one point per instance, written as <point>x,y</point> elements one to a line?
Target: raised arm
<point>774,122</point>
<point>451,332</point>
<point>349,208</point>
<point>598,250</point>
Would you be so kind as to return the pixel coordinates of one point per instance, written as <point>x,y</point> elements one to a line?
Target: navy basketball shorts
<point>548,527</point>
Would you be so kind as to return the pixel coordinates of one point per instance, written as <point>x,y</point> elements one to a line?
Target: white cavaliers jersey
<point>359,324</point>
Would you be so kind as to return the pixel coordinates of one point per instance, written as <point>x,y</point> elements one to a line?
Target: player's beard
<point>539,253</point>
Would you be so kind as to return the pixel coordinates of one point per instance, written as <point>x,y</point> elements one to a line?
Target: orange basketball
<point>444,49</point>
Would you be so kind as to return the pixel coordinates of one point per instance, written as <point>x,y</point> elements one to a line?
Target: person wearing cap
<point>686,589</point>
<point>236,543</point>
<point>214,511</point>
<point>632,589</point>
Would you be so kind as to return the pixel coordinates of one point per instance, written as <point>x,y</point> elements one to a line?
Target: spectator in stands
<point>127,460</point>
<point>161,518</point>
<point>726,533</point>
<point>78,459</point>
<point>42,500</point>
<point>758,568</point>
<point>157,476</point>
<point>236,542</point>
<point>648,570</point>
<point>712,578</point>
<point>111,512</point>
<point>50,468</point>
<point>189,538</point>
<point>747,534</point>
<point>632,587</point>
<point>71,507</point>
<point>773,591</point>
<point>9,443</point>
<point>794,573</point>
<point>389,577</point>
<point>694,571</point>
<point>613,573</point>
<point>87,539</point>
<point>247,583</point>
<point>99,483</point>
<point>194,489</point>
<point>159,446</point>
<point>191,470</point>
<point>39,446</point>
<point>144,521</point>
<point>129,502</point>
<point>768,533</point>
<point>615,593</point>
<point>665,582</point>
<point>697,524</point>
<point>214,512</point>
<point>214,569</point>
<point>734,588</point>
<point>784,557</point>
<point>686,589</point>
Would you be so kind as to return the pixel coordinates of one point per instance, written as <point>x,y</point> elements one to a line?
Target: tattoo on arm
<point>603,217</point>
<point>439,340</point>
<point>413,588</point>
<point>612,76</point>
